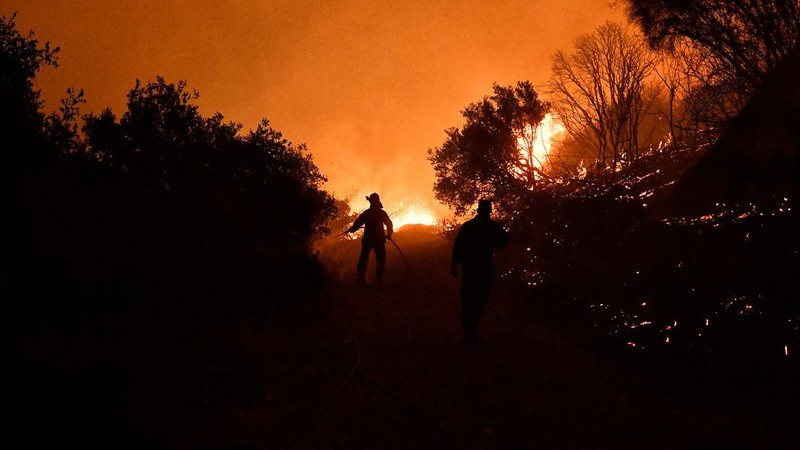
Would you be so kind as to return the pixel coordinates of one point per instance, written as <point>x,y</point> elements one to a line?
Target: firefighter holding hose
<point>373,220</point>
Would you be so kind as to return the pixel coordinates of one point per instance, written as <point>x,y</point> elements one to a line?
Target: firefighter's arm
<point>389,226</point>
<point>357,224</point>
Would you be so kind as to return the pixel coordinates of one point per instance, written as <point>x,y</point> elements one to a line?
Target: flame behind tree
<point>493,154</point>
<point>535,143</point>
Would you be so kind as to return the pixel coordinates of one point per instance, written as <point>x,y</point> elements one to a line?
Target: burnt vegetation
<point>663,224</point>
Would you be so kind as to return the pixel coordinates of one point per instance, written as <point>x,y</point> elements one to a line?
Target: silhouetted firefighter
<point>474,251</point>
<point>374,238</point>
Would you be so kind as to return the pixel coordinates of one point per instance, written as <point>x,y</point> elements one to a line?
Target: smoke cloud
<point>368,86</point>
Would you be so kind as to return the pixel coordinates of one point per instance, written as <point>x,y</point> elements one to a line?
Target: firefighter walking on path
<point>373,220</point>
<point>474,251</point>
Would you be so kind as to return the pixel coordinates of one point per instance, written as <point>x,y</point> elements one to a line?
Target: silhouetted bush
<point>162,212</point>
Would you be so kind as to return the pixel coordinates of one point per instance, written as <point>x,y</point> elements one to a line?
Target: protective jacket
<point>373,221</point>
<point>475,243</point>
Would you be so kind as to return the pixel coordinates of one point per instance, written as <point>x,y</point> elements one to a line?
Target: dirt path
<point>525,386</point>
<point>383,367</point>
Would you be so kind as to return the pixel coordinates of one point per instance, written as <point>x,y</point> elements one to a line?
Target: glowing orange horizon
<point>368,86</point>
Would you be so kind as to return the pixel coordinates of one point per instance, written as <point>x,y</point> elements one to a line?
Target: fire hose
<point>399,250</point>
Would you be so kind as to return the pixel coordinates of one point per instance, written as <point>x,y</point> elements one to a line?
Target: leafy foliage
<point>21,58</point>
<point>484,157</point>
<point>135,239</point>
<point>163,205</point>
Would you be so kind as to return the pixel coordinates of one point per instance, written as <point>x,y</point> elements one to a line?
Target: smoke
<point>368,86</point>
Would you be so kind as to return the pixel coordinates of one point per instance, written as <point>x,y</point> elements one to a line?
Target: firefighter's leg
<point>474,296</point>
<point>361,267</point>
<point>469,316</point>
<point>380,260</point>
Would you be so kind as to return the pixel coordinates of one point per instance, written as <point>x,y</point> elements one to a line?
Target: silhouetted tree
<point>162,197</point>
<point>703,99</point>
<point>600,93</point>
<point>698,102</point>
<point>30,159</point>
<point>139,231</point>
<point>492,154</point>
<point>161,140</point>
<point>344,217</point>
<point>162,144</point>
<point>285,176</point>
<point>61,127</point>
<point>21,58</point>
<point>737,42</point>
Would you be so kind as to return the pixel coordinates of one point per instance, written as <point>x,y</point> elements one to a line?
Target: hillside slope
<point>758,159</point>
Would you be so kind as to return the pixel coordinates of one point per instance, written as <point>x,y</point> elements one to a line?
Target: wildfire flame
<point>535,143</point>
<point>403,214</point>
<point>413,215</point>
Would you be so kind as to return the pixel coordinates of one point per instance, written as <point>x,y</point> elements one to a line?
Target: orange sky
<point>370,86</point>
